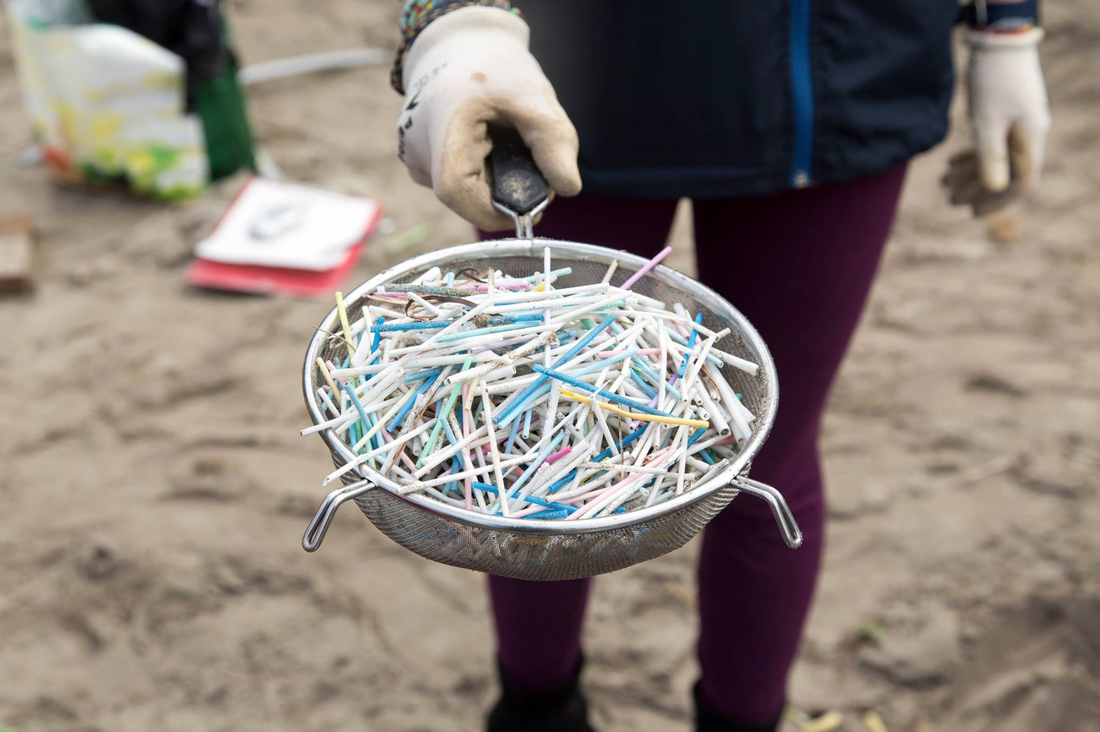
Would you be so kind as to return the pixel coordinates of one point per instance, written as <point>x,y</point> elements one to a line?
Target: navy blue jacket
<point>741,97</point>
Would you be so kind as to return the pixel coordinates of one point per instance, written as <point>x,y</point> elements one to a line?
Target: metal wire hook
<point>318,527</point>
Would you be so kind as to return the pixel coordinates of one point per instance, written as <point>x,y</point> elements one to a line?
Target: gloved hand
<point>465,70</point>
<point>1010,117</point>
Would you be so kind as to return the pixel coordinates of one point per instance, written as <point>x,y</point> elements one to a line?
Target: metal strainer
<point>551,550</point>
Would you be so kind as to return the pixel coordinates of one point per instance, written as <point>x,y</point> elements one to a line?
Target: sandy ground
<point>153,488</point>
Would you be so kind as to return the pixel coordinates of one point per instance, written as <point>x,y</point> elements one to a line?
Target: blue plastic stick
<point>544,389</point>
<point>641,384</point>
<point>409,403</point>
<point>529,499</point>
<point>355,401</point>
<point>456,467</point>
<point>503,418</point>
<point>530,469</point>
<point>377,335</point>
<point>482,331</point>
<point>690,346</point>
<point>655,379</point>
<point>512,436</point>
<point>440,324</point>
<point>527,423</point>
<point>548,515</point>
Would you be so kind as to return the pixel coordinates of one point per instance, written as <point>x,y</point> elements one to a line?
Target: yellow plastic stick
<point>328,377</point>
<point>634,415</point>
<point>348,342</point>
<point>873,722</point>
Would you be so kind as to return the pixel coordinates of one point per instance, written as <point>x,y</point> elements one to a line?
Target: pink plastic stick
<point>645,270</point>
<point>466,433</point>
<point>558,455</point>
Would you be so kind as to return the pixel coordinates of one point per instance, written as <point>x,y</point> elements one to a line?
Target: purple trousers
<point>799,265</point>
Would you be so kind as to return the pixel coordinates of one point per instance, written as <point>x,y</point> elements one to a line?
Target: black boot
<point>708,719</point>
<point>562,709</point>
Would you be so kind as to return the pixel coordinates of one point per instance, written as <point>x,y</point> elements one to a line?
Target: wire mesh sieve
<point>553,550</point>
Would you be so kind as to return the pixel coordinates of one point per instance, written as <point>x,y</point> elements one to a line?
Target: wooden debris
<point>16,260</point>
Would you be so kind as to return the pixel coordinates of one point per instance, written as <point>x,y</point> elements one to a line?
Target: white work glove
<point>465,70</point>
<point>1010,118</point>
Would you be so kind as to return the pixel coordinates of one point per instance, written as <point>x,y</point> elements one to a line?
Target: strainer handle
<point>519,188</point>
<point>318,527</point>
<point>792,535</point>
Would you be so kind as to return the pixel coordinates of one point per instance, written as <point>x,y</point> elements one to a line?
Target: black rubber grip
<point>518,184</point>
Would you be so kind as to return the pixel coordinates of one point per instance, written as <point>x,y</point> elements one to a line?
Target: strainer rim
<point>576,250</point>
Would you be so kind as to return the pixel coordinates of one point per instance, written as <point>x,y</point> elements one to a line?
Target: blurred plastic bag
<point>196,31</point>
<point>54,12</point>
<point>107,104</point>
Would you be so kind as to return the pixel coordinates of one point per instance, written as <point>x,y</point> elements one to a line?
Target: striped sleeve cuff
<point>415,17</point>
<point>416,11</point>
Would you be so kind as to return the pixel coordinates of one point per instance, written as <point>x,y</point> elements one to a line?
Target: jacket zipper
<point>802,93</point>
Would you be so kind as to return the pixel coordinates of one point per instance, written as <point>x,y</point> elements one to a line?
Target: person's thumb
<point>991,140</point>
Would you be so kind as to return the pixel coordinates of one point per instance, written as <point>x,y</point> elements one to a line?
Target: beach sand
<point>154,489</point>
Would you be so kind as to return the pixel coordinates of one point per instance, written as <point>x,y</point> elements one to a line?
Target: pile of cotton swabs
<point>511,397</point>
